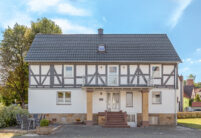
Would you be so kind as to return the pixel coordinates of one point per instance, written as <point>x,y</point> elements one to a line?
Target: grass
<point>7,135</point>
<point>190,122</point>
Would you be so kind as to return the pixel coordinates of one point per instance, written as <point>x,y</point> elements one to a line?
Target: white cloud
<point>182,5</point>
<point>198,50</point>
<point>191,61</point>
<point>66,8</point>
<point>184,70</point>
<point>20,18</point>
<point>41,5</point>
<point>72,28</point>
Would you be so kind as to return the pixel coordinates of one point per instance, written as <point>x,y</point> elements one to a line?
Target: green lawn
<point>190,122</point>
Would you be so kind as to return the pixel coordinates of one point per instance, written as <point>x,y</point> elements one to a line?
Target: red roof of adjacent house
<point>196,104</point>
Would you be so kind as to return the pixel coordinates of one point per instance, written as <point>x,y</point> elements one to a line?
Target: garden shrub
<point>183,115</point>
<point>8,114</point>
<point>44,122</point>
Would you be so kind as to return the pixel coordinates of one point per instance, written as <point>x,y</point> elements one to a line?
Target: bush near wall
<point>8,114</point>
<point>183,115</point>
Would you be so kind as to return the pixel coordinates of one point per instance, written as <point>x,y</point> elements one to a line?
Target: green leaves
<point>14,47</point>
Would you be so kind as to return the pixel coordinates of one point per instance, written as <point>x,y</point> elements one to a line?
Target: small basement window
<point>101,48</point>
<point>63,97</point>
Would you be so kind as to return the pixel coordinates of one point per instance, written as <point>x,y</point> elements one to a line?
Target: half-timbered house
<point>106,79</point>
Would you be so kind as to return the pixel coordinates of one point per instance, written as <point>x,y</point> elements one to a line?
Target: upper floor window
<point>113,75</point>
<point>63,97</point>
<point>68,71</point>
<point>156,72</point>
<point>101,48</point>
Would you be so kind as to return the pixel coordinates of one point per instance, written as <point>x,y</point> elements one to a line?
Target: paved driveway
<point>70,131</point>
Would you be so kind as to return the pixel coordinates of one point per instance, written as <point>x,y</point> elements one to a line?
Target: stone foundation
<point>99,119</point>
<point>65,118</point>
<point>159,119</point>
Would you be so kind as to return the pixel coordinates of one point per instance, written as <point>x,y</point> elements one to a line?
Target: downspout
<point>175,106</point>
<point>175,92</point>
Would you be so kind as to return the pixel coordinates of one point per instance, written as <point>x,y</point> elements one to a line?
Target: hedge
<point>183,115</point>
<point>8,114</point>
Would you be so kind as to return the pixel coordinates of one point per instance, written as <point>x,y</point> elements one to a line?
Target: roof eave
<point>90,61</point>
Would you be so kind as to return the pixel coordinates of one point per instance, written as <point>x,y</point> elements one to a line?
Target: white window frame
<point>65,73</point>
<point>117,75</point>
<point>64,102</point>
<point>101,45</point>
<point>127,99</point>
<point>155,93</point>
<point>152,75</point>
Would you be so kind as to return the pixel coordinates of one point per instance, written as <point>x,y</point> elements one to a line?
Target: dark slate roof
<point>119,48</point>
<point>188,90</point>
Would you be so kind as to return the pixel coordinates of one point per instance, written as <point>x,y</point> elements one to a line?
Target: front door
<point>113,101</point>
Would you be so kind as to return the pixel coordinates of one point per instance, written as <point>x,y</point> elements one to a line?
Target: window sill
<point>156,103</point>
<point>63,104</point>
<point>129,106</point>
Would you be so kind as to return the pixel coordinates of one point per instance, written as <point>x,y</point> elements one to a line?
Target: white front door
<point>113,101</point>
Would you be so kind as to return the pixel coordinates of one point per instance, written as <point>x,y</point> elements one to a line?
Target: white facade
<point>44,101</point>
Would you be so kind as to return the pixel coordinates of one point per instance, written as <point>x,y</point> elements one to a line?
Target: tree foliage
<point>44,26</point>
<point>191,76</point>
<point>197,98</point>
<point>14,46</point>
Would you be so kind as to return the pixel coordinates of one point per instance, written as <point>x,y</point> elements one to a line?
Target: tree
<point>14,46</point>
<point>44,26</point>
<point>197,98</point>
<point>191,76</point>
<point>197,85</point>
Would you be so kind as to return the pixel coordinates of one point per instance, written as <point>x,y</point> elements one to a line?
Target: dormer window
<point>101,48</point>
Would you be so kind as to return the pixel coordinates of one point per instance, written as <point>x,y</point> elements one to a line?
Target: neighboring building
<point>196,105</point>
<point>107,79</point>
<point>190,92</point>
<point>180,94</point>
<point>198,92</point>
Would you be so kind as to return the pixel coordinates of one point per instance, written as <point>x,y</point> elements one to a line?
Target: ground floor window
<point>63,97</point>
<point>156,98</point>
<point>129,99</point>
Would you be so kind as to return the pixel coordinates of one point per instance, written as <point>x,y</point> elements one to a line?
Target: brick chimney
<point>100,31</point>
<point>189,82</point>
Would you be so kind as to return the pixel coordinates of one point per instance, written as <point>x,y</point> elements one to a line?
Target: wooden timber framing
<point>100,79</point>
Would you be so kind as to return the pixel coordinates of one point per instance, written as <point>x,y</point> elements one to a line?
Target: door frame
<point>111,96</point>
<point>108,75</point>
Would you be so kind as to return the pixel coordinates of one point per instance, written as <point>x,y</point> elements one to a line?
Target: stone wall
<point>65,118</point>
<point>69,118</point>
<point>161,119</point>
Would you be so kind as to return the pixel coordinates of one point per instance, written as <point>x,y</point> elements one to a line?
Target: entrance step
<point>116,120</point>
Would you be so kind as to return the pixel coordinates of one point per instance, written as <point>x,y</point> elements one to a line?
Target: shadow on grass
<point>190,125</point>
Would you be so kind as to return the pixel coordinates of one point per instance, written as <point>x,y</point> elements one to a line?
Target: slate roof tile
<point>119,48</point>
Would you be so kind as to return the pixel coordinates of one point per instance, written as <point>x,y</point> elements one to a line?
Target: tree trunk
<point>22,104</point>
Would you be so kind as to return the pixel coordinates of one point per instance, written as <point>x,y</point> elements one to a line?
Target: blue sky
<point>180,19</point>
